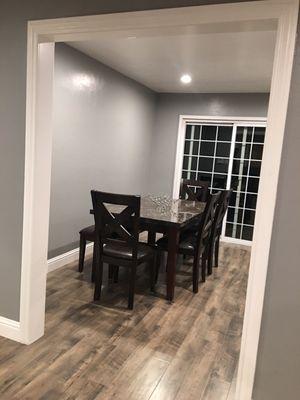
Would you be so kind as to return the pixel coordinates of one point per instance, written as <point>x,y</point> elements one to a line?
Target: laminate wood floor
<point>159,351</point>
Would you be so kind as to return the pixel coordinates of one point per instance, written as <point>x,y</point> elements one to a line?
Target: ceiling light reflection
<point>84,82</point>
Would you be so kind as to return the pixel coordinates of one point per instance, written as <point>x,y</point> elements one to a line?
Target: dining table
<point>169,217</point>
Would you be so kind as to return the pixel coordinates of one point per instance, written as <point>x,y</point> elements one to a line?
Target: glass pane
<point>219,181</point>
<point>185,162</point>
<point>257,151</point>
<point>247,232</point>
<point>237,199</point>
<point>244,134</point>
<point>242,150</point>
<point>197,132</point>
<point>184,175</point>
<point>223,149</point>
<point>249,217</point>
<point>225,133</point>
<point>187,146</point>
<point>255,168</point>
<point>259,135</point>
<point>207,148</point>
<point>235,215</point>
<point>238,183</point>
<point>233,230</point>
<point>240,167</point>
<point>208,132</point>
<point>192,175</point>
<point>194,163</point>
<point>202,176</point>
<point>251,200</point>
<point>253,185</point>
<point>205,164</point>
<point>195,148</point>
<point>188,132</point>
<point>221,165</point>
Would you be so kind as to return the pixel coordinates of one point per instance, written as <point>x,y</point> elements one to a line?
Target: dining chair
<point>193,190</point>
<point>195,244</point>
<point>217,229</point>
<point>117,245</point>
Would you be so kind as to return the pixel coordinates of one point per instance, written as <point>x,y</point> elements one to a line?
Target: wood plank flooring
<point>184,351</point>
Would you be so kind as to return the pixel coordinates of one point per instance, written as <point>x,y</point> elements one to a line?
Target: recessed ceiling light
<point>186,78</point>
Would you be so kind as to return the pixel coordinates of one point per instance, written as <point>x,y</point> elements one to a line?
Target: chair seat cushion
<point>88,232</point>
<point>124,252</point>
<point>187,243</point>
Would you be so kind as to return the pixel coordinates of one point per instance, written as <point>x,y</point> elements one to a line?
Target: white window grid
<point>227,171</point>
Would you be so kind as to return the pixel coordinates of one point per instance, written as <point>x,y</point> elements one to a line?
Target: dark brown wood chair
<point>193,190</point>
<point>195,244</point>
<point>217,229</point>
<point>115,244</point>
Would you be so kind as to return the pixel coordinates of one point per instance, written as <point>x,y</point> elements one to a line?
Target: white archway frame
<point>40,61</point>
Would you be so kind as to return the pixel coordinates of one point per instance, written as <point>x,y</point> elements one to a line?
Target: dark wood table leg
<point>173,235</point>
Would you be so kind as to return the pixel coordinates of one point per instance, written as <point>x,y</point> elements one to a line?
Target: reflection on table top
<point>166,211</point>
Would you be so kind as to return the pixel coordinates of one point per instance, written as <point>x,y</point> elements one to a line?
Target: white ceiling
<point>228,61</point>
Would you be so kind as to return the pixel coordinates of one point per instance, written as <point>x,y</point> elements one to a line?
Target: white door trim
<point>38,144</point>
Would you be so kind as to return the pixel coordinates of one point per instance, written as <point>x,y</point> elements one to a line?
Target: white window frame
<point>39,137</point>
<point>213,120</point>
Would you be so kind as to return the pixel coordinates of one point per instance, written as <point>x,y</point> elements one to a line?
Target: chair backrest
<point>193,190</point>
<point>112,222</point>
<point>221,210</point>
<point>206,225</point>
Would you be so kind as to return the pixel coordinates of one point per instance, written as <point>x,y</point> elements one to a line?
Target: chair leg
<point>82,247</point>
<point>209,257</point>
<point>217,245</point>
<point>195,274</point>
<point>203,267</point>
<point>157,265</point>
<point>131,287</point>
<point>98,266</point>
<point>110,272</point>
<point>153,274</point>
<point>93,265</point>
<point>116,273</point>
<point>211,254</point>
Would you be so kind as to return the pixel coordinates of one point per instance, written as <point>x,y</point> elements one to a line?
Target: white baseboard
<point>66,258</point>
<point>10,329</point>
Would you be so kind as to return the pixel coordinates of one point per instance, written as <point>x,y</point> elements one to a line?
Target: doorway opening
<point>41,36</point>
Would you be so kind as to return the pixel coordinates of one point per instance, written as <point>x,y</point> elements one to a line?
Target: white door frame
<point>213,120</point>
<point>38,149</point>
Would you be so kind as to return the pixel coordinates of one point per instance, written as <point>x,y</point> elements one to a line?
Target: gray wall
<point>170,106</point>
<point>280,328</point>
<point>101,140</point>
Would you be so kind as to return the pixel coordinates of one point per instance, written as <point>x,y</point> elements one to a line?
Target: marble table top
<point>166,211</point>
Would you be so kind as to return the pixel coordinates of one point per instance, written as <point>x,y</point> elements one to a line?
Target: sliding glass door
<point>227,155</point>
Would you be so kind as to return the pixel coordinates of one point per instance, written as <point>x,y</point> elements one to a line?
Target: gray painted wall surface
<point>101,140</point>
<point>282,290</point>
<point>171,106</point>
